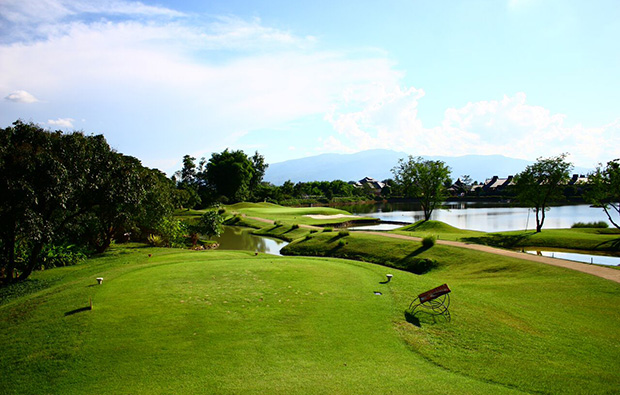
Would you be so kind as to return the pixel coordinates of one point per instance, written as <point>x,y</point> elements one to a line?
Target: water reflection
<point>483,216</point>
<point>585,258</point>
<point>236,238</point>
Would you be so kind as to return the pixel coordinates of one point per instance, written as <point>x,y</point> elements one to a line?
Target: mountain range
<point>378,164</point>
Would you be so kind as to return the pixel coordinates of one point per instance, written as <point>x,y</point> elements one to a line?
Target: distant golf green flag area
<point>222,322</point>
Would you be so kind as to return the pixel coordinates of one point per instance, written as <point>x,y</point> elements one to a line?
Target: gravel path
<point>599,271</point>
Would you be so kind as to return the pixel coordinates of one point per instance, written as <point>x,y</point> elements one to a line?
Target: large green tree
<point>542,183</point>
<point>423,180</point>
<point>604,190</point>
<point>230,173</point>
<point>57,188</point>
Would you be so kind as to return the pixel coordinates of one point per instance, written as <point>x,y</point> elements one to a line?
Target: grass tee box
<point>298,215</point>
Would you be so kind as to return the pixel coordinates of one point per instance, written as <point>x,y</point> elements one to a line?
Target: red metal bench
<point>435,301</point>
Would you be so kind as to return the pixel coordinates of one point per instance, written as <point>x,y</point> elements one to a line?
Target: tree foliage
<point>604,190</point>
<point>542,183</point>
<point>210,224</point>
<point>58,189</point>
<point>425,180</point>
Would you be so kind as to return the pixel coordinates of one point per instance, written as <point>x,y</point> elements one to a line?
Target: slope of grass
<point>218,322</point>
<point>529,326</point>
<point>575,239</point>
<point>284,232</point>
<point>396,253</point>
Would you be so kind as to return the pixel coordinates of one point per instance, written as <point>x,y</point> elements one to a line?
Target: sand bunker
<point>336,216</point>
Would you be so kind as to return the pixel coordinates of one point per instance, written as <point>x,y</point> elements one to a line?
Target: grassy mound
<point>432,226</point>
<point>231,322</point>
<point>396,253</point>
<point>437,228</point>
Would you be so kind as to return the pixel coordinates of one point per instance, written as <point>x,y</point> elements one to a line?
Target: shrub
<point>599,224</point>
<point>221,211</point>
<point>428,241</point>
<point>341,243</point>
<point>328,229</point>
<point>155,240</point>
<point>60,255</point>
<point>343,233</point>
<point>421,266</point>
<point>295,226</point>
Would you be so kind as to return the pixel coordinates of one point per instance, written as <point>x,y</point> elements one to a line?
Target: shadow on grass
<point>336,238</point>
<point>499,240</point>
<point>68,313</point>
<point>412,319</point>
<point>610,245</point>
<point>416,265</point>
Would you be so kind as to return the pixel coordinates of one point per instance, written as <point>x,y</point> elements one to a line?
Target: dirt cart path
<point>599,271</point>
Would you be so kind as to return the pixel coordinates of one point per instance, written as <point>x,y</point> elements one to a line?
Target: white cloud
<point>21,97</point>
<point>209,83</point>
<point>61,122</point>
<point>387,118</point>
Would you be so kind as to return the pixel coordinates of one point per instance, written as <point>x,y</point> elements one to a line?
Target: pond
<point>237,238</point>
<point>585,258</point>
<point>486,217</point>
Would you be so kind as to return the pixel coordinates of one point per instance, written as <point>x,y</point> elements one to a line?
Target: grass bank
<point>584,239</point>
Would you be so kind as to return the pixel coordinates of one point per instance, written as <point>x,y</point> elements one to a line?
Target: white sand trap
<point>336,216</point>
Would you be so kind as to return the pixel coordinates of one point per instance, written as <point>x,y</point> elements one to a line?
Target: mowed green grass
<point>220,322</point>
<point>530,326</point>
<point>293,215</point>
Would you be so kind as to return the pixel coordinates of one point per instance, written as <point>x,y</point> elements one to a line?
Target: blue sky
<point>522,78</point>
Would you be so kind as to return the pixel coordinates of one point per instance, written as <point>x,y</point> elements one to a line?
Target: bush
<point>295,226</point>
<point>62,255</point>
<point>328,229</point>
<point>342,243</point>
<point>156,240</point>
<point>221,211</point>
<point>421,266</point>
<point>343,233</point>
<point>599,225</point>
<point>428,241</point>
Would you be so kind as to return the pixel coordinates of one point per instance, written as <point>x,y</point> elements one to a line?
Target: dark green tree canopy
<point>60,188</point>
<point>541,183</point>
<point>230,174</point>
<point>424,180</point>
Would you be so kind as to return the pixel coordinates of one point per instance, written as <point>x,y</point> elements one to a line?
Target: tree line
<point>63,196</point>
<point>537,186</point>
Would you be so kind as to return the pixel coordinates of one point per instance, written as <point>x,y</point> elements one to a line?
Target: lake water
<point>487,217</point>
<point>236,238</point>
<point>585,258</point>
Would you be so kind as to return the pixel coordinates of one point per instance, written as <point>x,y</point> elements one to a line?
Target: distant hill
<point>378,164</point>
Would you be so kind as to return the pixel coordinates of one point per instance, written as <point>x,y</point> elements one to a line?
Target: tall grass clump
<point>343,233</point>
<point>429,241</point>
